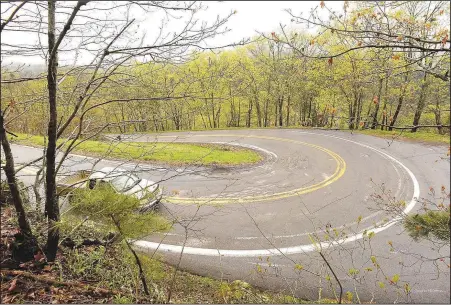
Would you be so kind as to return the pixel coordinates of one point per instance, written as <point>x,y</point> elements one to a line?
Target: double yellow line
<point>339,171</point>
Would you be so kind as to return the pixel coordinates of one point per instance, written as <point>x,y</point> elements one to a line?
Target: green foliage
<point>373,259</point>
<point>5,193</point>
<point>407,288</point>
<point>262,84</point>
<point>353,271</point>
<point>241,292</point>
<point>349,296</point>
<point>298,267</point>
<point>113,267</point>
<point>103,204</point>
<point>138,225</point>
<point>432,224</point>
<point>122,300</point>
<point>395,278</point>
<point>172,153</point>
<point>86,267</point>
<point>430,137</point>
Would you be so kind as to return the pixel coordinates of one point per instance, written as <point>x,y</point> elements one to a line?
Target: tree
<point>29,244</point>
<point>118,213</point>
<point>417,32</point>
<point>112,45</point>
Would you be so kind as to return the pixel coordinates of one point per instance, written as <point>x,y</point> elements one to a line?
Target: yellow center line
<point>339,171</point>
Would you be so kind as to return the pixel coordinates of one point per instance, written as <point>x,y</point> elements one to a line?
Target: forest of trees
<point>285,78</point>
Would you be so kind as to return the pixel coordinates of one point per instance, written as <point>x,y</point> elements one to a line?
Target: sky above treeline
<point>261,16</point>
<point>250,19</point>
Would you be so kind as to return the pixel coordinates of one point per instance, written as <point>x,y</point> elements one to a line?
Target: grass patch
<point>170,153</point>
<point>191,288</point>
<point>112,267</point>
<point>418,136</point>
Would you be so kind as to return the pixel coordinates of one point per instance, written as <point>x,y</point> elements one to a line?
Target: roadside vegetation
<point>154,152</point>
<point>417,137</point>
<point>95,263</point>
<point>422,137</point>
<point>381,68</point>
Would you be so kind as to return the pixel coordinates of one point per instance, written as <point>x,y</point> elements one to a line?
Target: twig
<point>335,276</point>
<point>138,261</point>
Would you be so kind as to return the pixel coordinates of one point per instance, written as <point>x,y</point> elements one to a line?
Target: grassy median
<point>170,153</point>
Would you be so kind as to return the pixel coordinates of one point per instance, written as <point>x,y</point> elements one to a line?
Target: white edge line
<point>249,146</point>
<point>148,245</point>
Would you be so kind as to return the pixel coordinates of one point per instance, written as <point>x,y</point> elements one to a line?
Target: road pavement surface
<point>267,223</point>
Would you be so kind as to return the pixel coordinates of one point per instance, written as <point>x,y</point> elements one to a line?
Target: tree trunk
<point>332,115</point>
<point>438,121</point>
<point>203,120</point>
<point>438,117</point>
<point>249,114</point>
<point>400,102</point>
<point>315,118</point>
<point>239,114</point>
<point>376,108</point>
<point>384,108</point>
<point>309,108</point>
<point>218,115</point>
<point>301,113</point>
<point>267,118</point>
<point>352,111</point>
<point>259,114</point>
<point>288,112</point>
<point>324,117</point>
<point>155,122</point>
<point>421,103</point>
<point>12,182</point>
<point>265,115</point>
<point>213,110</point>
<point>359,110</point>
<point>280,111</point>
<point>208,113</point>
<point>51,204</point>
<point>398,109</point>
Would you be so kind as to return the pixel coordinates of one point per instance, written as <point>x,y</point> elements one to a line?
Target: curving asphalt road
<point>255,223</point>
